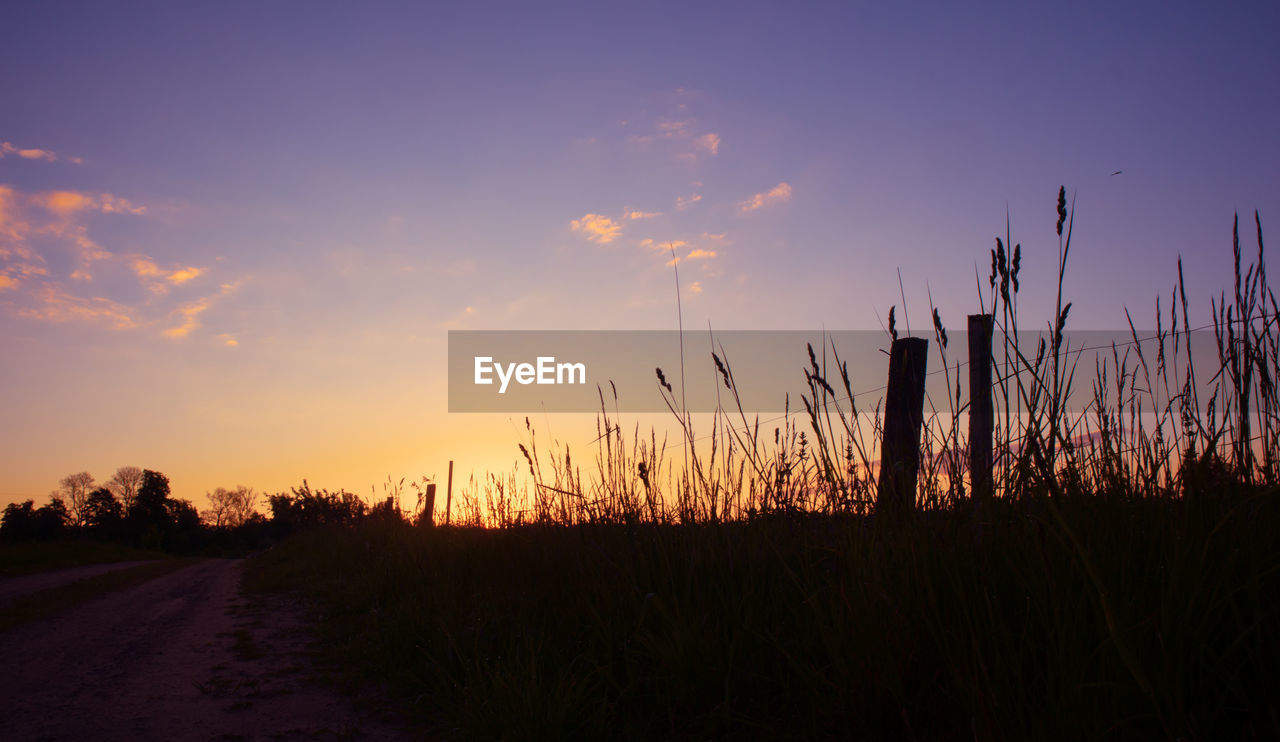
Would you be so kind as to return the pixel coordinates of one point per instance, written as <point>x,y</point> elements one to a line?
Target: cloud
<point>59,306</point>
<point>32,153</point>
<point>66,203</point>
<point>189,313</point>
<point>781,193</point>
<point>695,254</point>
<point>40,231</point>
<point>228,339</point>
<point>643,214</point>
<point>695,287</point>
<point>684,202</point>
<point>27,220</point>
<point>678,132</point>
<point>663,245</point>
<point>158,280</point>
<point>597,228</point>
<point>182,275</point>
<point>674,128</point>
<point>109,204</point>
<point>144,268</point>
<point>15,274</point>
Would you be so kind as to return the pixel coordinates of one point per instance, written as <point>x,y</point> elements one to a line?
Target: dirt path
<point>182,657</point>
<point>12,588</point>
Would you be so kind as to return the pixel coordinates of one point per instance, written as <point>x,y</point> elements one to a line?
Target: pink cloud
<point>780,193</point>
<point>597,228</point>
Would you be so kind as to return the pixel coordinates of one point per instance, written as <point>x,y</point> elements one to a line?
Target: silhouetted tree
<point>103,512</point>
<point>125,483</point>
<point>184,529</point>
<point>76,488</point>
<point>303,507</point>
<point>16,525</point>
<point>153,494</point>
<point>231,508</point>
<point>24,521</point>
<point>149,518</point>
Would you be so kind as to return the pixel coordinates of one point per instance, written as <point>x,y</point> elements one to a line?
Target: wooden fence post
<point>903,419</point>
<point>448,498</point>
<point>429,505</point>
<point>981,411</point>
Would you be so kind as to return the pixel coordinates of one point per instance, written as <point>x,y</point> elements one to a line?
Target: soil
<point>186,656</point>
<point>13,588</point>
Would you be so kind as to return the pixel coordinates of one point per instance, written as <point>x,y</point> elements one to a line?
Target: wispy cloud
<point>189,314</point>
<point>678,132</point>
<point>39,231</point>
<point>158,280</point>
<point>57,305</point>
<point>8,149</point>
<point>597,228</point>
<point>674,128</point>
<point>66,203</point>
<point>636,214</point>
<point>694,254</point>
<point>695,287</point>
<point>662,244</point>
<point>709,142</point>
<point>781,193</point>
<point>182,275</point>
<point>684,202</point>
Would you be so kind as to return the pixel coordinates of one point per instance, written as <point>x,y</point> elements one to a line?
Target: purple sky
<point>233,236</point>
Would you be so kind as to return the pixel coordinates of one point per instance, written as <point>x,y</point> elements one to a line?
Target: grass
<point>39,556</point>
<point>47,603</point>
<point>1081,618</point>
<point>1120,583</point>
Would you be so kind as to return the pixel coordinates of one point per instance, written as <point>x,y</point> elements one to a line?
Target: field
<point>1117,579</point>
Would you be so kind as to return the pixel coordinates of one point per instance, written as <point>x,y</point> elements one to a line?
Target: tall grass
<point>1154,419</point>
<point>735,583</point>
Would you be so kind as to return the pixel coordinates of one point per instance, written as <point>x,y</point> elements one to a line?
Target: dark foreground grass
<point>39,556</point>
<point>46,603</point>
<point>1058,618</point>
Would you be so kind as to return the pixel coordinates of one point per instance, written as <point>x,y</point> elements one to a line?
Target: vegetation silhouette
<point>1120,581</point>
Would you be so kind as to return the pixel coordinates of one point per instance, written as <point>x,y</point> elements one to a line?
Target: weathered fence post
<point>981,411</point>
<point>903,419</point>
<point>448,497</point>
<point>429,505</point>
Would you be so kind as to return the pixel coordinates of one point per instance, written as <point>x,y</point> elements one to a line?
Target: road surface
<point>184,656</point>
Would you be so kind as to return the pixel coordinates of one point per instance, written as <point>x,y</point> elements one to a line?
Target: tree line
<point>136,506</point>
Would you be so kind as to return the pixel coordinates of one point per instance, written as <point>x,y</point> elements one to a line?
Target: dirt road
<point>182,657</point>
<point>12,588</point>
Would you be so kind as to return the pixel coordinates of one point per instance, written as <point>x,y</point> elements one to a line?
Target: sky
<point>234,236</point>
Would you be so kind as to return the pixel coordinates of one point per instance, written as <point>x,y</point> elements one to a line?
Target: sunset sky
<point>233,236</point>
